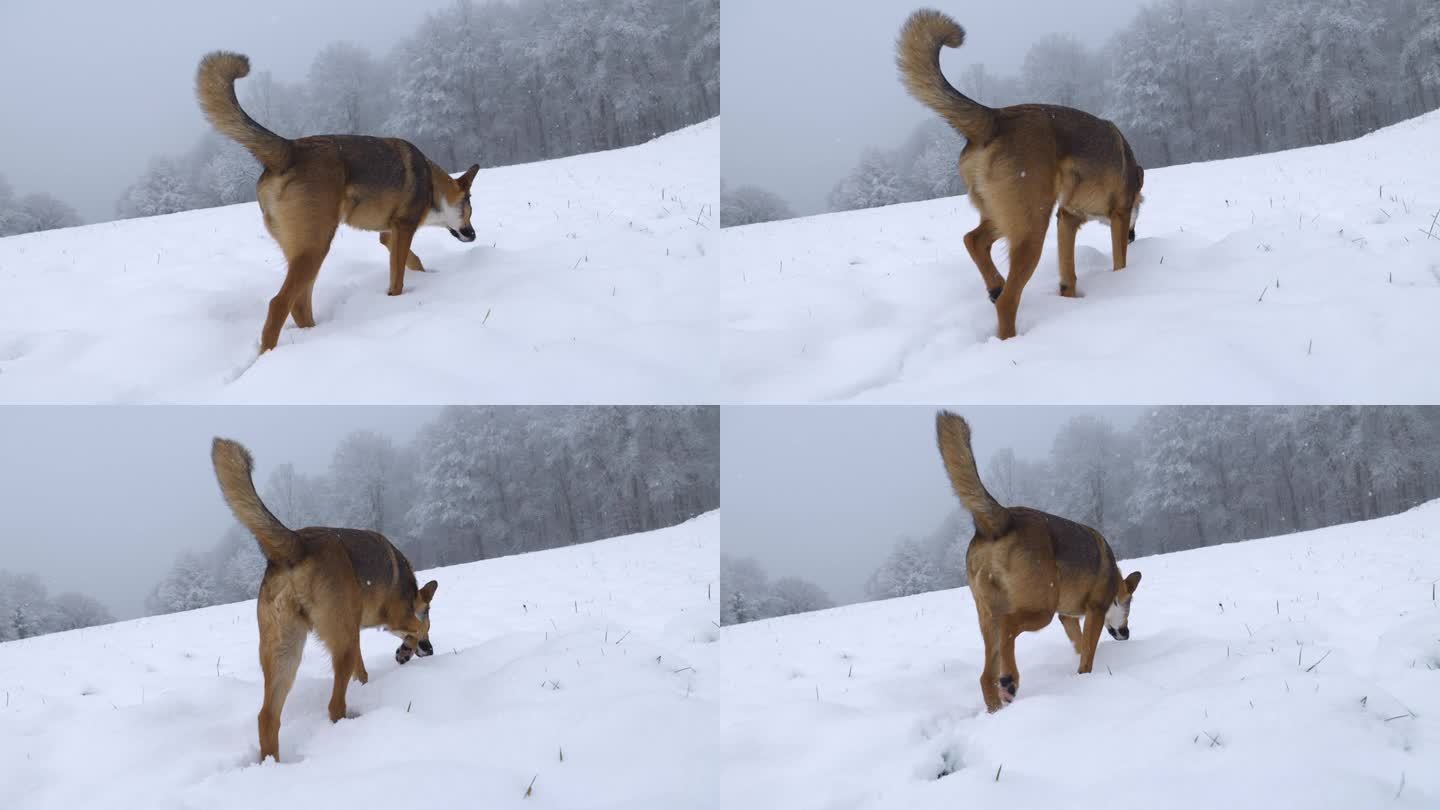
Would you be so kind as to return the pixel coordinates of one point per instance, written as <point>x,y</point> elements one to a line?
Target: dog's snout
<point>465,234</point>
<point>1132,235</point>
<point>426,648</point>
<point>1123,633</point>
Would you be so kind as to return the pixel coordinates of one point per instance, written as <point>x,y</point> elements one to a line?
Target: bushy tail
<point>232,468</point>
<point>917,54</point>
<point>953,433</point>
<point>215,85</point>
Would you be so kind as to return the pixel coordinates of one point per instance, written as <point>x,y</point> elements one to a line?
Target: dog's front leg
<point>400,238</point>
<point>1094,620</point>
<point>1120,238</point>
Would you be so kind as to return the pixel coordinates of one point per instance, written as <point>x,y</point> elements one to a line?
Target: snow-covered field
<point>599,651</point>
<point>1297,277</point>
<point>1297,671</point>
<point>592,280</point>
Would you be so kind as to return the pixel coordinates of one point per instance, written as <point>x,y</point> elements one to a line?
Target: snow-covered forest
<point>481,482</point>
<point>748,594</point>
<point>36,211</point>
<point>1195,80</point>
<point>493,83</point>
<point>1191,476</point>
<point>27,608</point>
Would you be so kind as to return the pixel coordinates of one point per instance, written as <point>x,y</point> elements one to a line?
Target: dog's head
<point>414,630</point>
<point>452,203</point>
<point>1117,617</point>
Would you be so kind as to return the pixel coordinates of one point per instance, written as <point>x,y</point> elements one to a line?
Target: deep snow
<point>1297,671</point>
<point>600,650</point>
<point>1295,277</point>
<point>591,281</point>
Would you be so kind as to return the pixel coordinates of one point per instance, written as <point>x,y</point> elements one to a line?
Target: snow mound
<point>590,281</point>
<point>597,651</point>
<point>1304,276</point>
<point>1296,671</point>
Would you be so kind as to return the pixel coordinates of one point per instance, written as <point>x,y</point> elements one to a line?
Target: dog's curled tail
<point>215,86</point>
<point>917,54</point>
<point>232,468</point>
<point>953,434</point>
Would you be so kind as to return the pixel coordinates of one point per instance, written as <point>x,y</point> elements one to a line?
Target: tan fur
<point>1024,568</point>
<point>329,581</point>
<point>311,185</point>
<point>1019,163</point>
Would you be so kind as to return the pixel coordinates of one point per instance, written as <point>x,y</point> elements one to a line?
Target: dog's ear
<point>1133,581</point>
<point>428,592</point>
<point>468,177</point>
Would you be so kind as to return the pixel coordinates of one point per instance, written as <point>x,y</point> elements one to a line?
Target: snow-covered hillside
<point>599,651</point>
<point>591,280</point>
<point>1299,277</point>
<point>1297,671</point>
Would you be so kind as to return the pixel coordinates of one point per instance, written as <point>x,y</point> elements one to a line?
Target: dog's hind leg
<point>1067,225</point>
<point>303,310</point>
<point>412,261</point>
<point>298,281</point>
<point>1024,256</point>
<point>282,641</point>
<point>1016,624</point>
<point>991,630</point>
<point>979,242</point>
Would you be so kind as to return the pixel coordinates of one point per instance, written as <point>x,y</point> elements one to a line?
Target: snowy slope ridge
<point>1297,671</point>
<point>1302,277</point>
<point>589,282</point>
<point>598,650</point>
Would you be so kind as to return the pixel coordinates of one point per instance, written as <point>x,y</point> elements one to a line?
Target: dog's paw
<point>403,654</point>
<point>1008,688</point>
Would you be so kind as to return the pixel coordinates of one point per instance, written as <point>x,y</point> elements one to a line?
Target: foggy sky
<point>824,491</point>
<point>90,92</point>
<point>805,85</point>
<point>99,499</point>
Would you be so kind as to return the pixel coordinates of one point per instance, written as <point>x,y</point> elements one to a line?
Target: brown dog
<point>1025,566</point>
<point>331,581</point>
<point>1018,163</point>
<point>311,185</point>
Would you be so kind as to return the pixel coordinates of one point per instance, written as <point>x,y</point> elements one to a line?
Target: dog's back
<point>382,180</point>
<point>1084,564</point>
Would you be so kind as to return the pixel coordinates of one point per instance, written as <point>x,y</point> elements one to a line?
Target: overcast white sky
<point>805,85</point>
<point>824,491</point>
<point>90,91</point>
<point>99,499</point>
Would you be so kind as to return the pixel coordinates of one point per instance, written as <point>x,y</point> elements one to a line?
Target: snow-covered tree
<point>229,175</point>
<point>747,205</point>
<point>163,189</point>
<point>42,212</point>
<point>789,595</point>
<point>907,571</point>
<point>874,182</point>
<point>25,607</point>
<point>1059,70</point>
<point>76,610</point>
<point>189,585</point>
<point>347,91</point>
